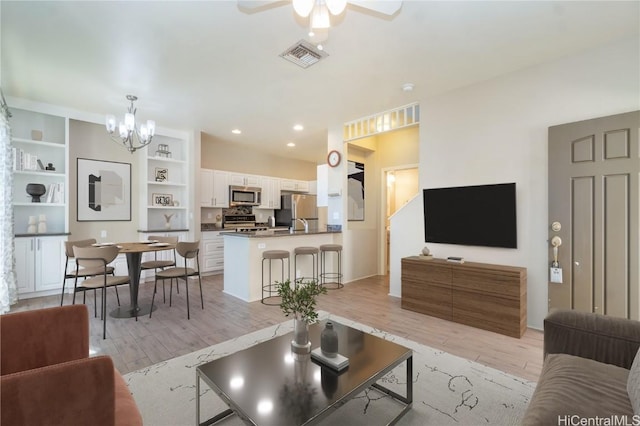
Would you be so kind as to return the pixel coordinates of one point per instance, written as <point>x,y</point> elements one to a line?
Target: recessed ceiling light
<point>408,87</point>
<point>298,127</point>
<point>291,144</point>
<point>236,131</point>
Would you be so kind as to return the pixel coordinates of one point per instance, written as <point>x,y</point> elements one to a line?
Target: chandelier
<point>318,11</point>
<point>131,136</point>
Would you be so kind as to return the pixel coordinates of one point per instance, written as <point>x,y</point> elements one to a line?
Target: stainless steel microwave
<point>244,196</point>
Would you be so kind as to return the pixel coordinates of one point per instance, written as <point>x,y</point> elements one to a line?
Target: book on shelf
<point>23,160</point>
<point>55,193</point>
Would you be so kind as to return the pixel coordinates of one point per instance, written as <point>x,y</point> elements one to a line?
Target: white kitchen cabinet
<point>238,179</point>
<point>270,193</point>
<point>206,188</point>
<point>220,189</point>
<point>214,188</point>
<point>294,185</point>
<point>212,259</point>
<point>39,264</point>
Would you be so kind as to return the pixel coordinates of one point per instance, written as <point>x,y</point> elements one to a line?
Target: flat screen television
<point>481,215</point>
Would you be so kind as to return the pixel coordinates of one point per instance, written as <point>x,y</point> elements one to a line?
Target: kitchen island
<point>243,258</point>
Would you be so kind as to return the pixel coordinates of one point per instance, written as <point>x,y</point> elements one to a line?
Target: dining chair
<point>161,264</point>
<point>99,258</point>
<point>81,272</point>
<point>187,250</point>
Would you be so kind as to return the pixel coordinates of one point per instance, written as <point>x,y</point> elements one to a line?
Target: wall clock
<point>333,158</point>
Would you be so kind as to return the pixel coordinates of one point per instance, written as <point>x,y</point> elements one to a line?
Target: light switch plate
<point>556,275</point>
<point>261,245</point>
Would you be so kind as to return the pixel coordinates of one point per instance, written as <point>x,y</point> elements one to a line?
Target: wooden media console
<point>491,297</point>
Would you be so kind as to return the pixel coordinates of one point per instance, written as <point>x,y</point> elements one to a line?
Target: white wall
<point>496,131</point>
<point>407,225</point>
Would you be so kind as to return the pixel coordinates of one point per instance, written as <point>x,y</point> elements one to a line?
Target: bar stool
<point>269,289</point>
<point>335,275</point>
<point>306,251</point>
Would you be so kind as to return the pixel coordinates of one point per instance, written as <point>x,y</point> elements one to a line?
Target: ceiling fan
<point>319,11</point>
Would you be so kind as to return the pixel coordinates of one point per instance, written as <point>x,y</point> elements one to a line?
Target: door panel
<point>582,243</point>
<point>594,192</point>
<point>616,245</point>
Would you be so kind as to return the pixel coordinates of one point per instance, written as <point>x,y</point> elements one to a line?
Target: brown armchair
<point>47,377</point>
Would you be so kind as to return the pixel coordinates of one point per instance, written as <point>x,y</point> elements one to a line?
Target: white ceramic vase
<point>42,224</point>
<point>33,225</point>
<point>300,342</point>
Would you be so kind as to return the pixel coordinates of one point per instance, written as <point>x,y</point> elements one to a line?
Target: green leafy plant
<point>299,300</point>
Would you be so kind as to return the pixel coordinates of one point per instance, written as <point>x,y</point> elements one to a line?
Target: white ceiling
<point>211,66</point>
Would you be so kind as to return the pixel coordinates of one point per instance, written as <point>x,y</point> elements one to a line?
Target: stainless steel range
<point>241,223</point>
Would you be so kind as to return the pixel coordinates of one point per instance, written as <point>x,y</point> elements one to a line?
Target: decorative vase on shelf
<point>329,341</point>
<point>300,342</point>
<point>42,224</point>
<point>36,190</point>
<point>167,218</point>
<point>33,227</point>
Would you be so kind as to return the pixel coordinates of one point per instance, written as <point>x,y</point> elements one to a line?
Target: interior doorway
<point>400,185</point>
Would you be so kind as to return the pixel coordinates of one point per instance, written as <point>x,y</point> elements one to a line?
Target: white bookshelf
<point>174,186</point>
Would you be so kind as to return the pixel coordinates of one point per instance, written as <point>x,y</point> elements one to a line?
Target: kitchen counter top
<point>243,253</point>
<point>275,233</point>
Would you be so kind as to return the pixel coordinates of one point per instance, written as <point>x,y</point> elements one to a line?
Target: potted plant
<point>299,300</point>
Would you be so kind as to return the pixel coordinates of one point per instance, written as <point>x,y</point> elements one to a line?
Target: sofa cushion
<point>571,385</point>
<point>602,338</point>
<point>633,384</point>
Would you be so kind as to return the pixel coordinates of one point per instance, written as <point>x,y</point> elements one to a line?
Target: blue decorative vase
<point>329,341</point>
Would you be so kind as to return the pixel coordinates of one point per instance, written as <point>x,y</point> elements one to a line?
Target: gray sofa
<point>589,370</point>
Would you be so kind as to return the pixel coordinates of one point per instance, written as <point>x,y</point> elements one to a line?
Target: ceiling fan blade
<point>259,5</point>
<point>381,6</point>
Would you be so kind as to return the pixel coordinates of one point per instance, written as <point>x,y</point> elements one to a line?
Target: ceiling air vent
<point>303,54</point>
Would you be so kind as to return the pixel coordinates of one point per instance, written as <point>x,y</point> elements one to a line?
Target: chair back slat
<point>95,257</point>
<point>68,245</point>
<point>188,250</point>
<point>170,240</point>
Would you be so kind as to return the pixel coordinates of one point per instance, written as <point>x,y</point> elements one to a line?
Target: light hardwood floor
<point>168,333</point>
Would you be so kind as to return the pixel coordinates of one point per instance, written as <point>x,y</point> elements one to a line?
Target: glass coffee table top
<point>267,384</point>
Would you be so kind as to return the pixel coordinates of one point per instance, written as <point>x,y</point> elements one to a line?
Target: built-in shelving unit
<point>27,151</point>
<point>166,189</point>
<point>40,228</point>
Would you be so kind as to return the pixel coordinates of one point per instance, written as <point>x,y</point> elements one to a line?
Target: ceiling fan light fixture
<point>303,7</point>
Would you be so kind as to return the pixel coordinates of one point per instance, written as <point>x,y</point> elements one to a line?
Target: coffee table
<point>267,384</point>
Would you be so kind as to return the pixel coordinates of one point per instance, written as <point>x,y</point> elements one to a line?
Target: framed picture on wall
<point>163,200</point>
<point>104,190</point>
<point>355,190</point>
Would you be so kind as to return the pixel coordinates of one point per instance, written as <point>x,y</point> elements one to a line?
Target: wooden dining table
<point>133,252</point>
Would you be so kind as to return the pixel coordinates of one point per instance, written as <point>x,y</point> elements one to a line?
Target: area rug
<point>447,390</point>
